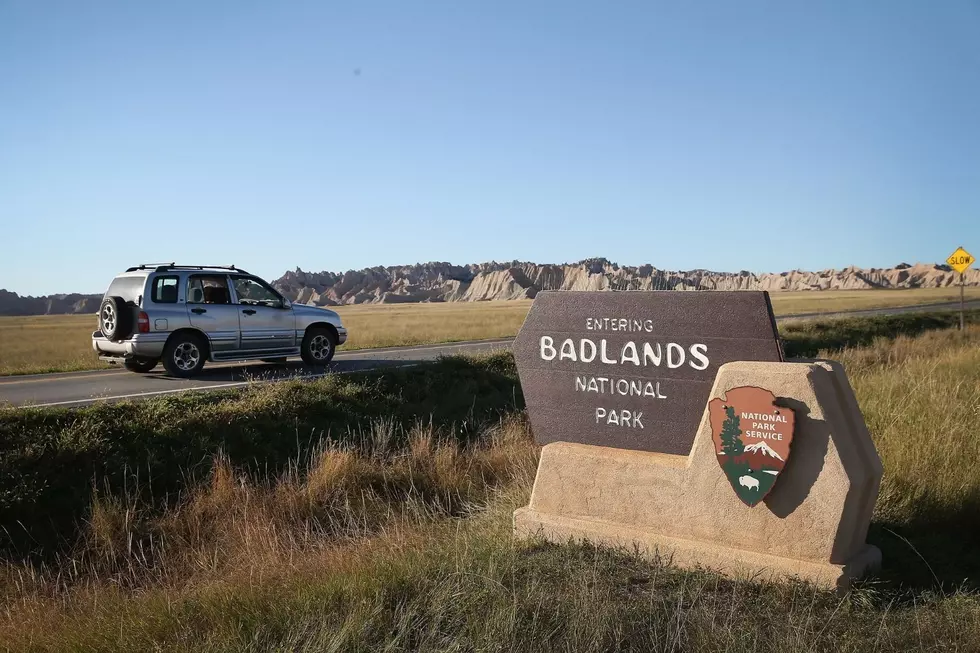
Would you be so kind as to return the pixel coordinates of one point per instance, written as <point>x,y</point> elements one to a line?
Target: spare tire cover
<point>115,318</point>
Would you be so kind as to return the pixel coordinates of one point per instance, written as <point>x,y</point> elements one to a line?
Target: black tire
<point>140,365</point>
<point>184,354</point>
<point>319,346</point>
<point>274,361</point>
<point>115,318</point>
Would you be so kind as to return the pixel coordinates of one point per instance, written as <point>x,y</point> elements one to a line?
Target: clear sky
<point>332,135</point>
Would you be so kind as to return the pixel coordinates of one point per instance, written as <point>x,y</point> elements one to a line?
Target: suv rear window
<point>129,288</point>
<point>165,290</point>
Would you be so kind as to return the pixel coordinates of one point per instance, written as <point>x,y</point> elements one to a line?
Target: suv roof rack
<point>146,266</point>
<point>163,267</point>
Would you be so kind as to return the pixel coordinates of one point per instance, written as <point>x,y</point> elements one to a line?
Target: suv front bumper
<point>142,345</point>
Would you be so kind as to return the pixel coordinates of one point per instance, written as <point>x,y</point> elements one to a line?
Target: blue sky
<point>332,135</point>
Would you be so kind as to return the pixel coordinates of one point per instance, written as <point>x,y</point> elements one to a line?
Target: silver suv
<point>185,315</point>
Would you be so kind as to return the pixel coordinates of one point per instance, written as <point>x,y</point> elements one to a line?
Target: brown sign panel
<point>752,438</point>
<point>633,370</point>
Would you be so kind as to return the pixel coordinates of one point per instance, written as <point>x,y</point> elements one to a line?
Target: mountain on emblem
<point>752,437</point>
<point>764,449</point>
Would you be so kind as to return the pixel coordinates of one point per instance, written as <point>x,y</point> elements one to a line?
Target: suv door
<point>209,308</point>
<point>266,322</point>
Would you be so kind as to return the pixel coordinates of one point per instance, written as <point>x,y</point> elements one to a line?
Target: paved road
<point>80,388</point>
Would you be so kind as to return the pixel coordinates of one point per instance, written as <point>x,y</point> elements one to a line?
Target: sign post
<point>960,260</point>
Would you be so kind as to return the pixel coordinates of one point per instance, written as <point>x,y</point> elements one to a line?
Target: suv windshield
<point>252,291</point>
<point>129,288</point>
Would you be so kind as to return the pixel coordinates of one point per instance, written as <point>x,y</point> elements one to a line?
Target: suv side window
<point>253,292</point>
<point>208,289</point>
<point>165,290</point>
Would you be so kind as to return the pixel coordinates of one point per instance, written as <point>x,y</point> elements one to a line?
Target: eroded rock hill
<point>13,304</point>
<point>444,282</point>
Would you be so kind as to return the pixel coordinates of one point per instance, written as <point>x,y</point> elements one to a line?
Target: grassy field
<point>373,513</point>
<point>830,301</point>
<point>63,342</point>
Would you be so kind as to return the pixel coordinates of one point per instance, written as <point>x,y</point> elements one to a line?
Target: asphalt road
<point>80,388</point>
<point>117,384</point>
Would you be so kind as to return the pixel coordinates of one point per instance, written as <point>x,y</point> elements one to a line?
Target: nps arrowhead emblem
<point>752,438</point>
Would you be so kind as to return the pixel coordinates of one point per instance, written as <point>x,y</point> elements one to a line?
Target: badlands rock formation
<point>444,282</point>
<point>13,304</point>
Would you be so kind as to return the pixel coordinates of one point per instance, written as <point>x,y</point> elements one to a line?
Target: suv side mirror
<point>286,303</point>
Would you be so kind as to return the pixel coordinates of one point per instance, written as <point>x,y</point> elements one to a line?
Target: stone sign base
<point>812,525</point>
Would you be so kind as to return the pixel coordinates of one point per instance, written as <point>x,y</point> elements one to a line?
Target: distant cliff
<point>444,282</point>
<point>13,304</point>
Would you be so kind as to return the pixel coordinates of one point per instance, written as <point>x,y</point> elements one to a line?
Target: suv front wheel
<point>184,355</point>
<point>319,345</point>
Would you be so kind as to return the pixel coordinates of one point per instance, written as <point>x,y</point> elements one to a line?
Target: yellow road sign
<point>960,260</point>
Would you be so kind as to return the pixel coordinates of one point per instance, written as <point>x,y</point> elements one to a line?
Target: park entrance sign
<point>671,424</point>
<point>633,370</point>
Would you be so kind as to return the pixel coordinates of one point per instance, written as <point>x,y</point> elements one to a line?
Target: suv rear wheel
<point>115,319</point>
<point>184,354</point>
<point>140,365</point>
<point>319,345</point>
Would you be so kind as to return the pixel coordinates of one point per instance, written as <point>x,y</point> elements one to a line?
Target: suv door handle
<point>248,311</point>
<point>199,310</point>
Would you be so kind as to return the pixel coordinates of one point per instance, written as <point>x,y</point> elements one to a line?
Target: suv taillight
<point>143,322</point>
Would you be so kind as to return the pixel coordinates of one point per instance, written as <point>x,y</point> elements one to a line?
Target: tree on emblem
<point>731,434</point>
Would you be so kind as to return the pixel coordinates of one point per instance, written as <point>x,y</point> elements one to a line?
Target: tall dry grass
<point>63,342</point>
<point>921,400</point>
<point>47,343</point>
<point>414,324</point>
<point>233,530</point>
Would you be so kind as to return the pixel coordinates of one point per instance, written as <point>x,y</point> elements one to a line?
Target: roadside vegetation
<point>62,343</point>
<point>807,338</point>
<point>830,301</point>
<point>373,512</point>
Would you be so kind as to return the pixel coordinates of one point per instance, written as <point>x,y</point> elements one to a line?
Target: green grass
<point>374,513</point>
<point>806,338</point>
